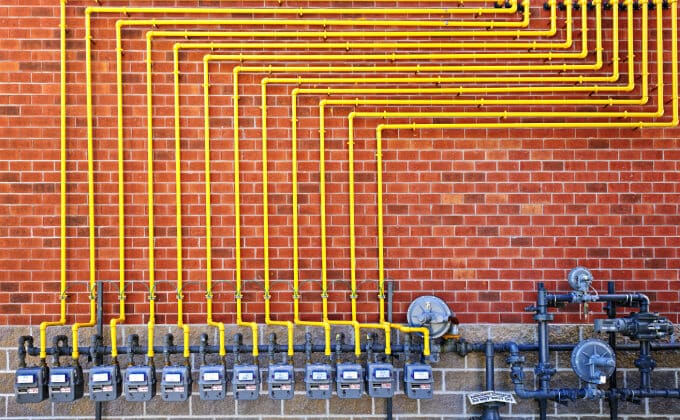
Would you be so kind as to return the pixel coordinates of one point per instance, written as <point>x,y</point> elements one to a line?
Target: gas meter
<point>318,380</point>
<point>66,383</point>
<point>176,383</point>
<point>246,382</point>
<point>30,384</point>
<point>212,382</point>
<point>418,380</point>
<point>350,380</point>
<point>140,383</point>
<point>380,380</point>
<point>281,381</point>
<point>105,383</point>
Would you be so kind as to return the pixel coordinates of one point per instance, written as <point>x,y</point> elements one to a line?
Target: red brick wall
<point>476,216</point>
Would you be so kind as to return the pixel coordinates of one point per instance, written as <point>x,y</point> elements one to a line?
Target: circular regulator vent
<point>593,361</point>
<point>430,312</point>
<point>580,279</point>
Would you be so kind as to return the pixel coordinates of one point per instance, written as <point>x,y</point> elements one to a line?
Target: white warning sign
<point>491,396</point>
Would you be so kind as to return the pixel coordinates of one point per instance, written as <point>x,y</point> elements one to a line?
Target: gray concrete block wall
<point>455,377</point>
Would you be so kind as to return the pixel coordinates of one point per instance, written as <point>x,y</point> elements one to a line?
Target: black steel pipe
<point>634,300</point>
<point>610,308</point>
<point>636,394</point>
<point>645,365</point>
<point>390,297</point>
<point>490,408</point>
<point>544,370</point>
<point>447,347</point>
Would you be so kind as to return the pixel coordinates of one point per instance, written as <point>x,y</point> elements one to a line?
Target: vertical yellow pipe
<point>237,203</point>
<point>674,58</point>
<point>121,199</point>
<point>149,172</point>
<point>90,195</point>
<point>265,212</point>
<point>62,182</point>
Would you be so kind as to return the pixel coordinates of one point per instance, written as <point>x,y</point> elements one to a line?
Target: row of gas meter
<point>139,383</point>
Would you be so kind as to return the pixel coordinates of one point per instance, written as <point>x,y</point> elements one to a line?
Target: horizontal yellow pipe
<point>318,22</point>
<point>297,11</point>
<point>551,31</point>
<point>151,34</point>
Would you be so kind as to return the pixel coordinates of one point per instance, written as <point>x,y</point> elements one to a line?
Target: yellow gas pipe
<point>382,127</point>
<point>324,287</point>
<point>152,266</point>
<point>324,263</point>
<point>176,69</point>
<point>265,155</point>
<point>185,328</point>
<point>354,323</point>
<point>326,321</point>
<point>290,333</point>
<point>319,22</point>
<point>208,214</point>
<point>325,34</point>
<point>62,191</point>
<point>121,206</point>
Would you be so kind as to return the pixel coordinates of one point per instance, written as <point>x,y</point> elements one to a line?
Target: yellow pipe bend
<point>237,205</point>
<point>121,206</point>
<point>90,201</point>
<point>265,206</point>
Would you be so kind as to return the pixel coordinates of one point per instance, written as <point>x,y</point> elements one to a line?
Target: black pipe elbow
<point>168,342</point>
<point>94,349</point>
<point>21,351</point>
<point>133,343</point>
<point>202,348</point>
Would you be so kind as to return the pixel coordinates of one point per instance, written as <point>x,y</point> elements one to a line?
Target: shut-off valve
<point>648,326</point>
